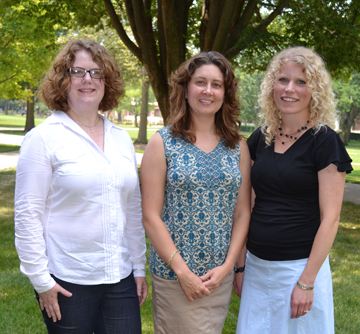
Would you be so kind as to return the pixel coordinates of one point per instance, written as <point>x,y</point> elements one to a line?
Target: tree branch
<point>121,32</point>
<point>7,79</point>
<point>227,21</point>
<point>241,44</point>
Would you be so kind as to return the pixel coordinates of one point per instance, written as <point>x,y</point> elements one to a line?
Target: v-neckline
<point>217,145</point>
<point>295,143</point>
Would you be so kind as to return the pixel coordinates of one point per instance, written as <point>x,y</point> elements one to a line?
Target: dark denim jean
<point>99,309</point>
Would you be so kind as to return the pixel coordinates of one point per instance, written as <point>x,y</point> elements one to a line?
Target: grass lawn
<point>20,314</point>
<point>8,148</point>
<point>19,121</point>
<point>354,151</point>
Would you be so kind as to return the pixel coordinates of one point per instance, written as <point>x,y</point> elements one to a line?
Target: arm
<point>135,235</point>
<point>239,277</point>
<point>33,181</point>
<point>240,262</point>
<point>240,226</point>
<point>153,178</point>
<point>331,190</point>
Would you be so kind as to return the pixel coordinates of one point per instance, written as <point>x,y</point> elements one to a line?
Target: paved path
<point>10,159</point>
<point>351,193</point>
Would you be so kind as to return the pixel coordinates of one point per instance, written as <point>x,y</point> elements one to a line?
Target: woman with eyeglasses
<point>78,226</point>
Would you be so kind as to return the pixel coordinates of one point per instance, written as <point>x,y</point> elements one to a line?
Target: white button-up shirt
<point>77,209</point>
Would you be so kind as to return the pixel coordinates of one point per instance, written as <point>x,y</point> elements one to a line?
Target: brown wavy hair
<point>56,85</point>
<point>322,104</point>
<point>227,121</point>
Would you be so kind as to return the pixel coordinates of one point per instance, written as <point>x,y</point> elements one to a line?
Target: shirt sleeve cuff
<point>42,284</point>
<point>139,272</point>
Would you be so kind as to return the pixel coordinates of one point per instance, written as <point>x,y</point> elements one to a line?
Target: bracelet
<point>240,269</point>
<point>304,287</point>
<point>171,257</point>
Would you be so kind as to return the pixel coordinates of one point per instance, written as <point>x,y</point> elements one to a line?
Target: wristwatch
<point>240,269</point>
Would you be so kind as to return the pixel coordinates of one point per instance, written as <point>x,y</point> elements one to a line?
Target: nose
<point>290,87</point>
<point>87,77</point>
<point>207,89</point>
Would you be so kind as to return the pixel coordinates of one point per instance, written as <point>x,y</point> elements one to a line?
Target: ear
<point>186,94</point>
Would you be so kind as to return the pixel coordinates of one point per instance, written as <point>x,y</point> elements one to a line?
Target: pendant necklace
<point>90,127</point>
<point>292,135</point>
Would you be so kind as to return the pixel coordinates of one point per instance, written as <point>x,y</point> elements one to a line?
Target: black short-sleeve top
<point>286,214</point>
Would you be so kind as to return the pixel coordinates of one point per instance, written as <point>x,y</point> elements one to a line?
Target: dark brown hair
<point>227,121</point>
<point>56,84</point>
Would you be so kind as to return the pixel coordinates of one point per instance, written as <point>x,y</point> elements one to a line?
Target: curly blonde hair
<point>56,85</point>
<point>227,121</point>
<point>322,103</point>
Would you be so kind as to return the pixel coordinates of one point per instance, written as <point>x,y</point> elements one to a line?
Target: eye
<point>282,80</point>
<point>217,85</point>
<point>200,82</point>
<point>96,73</point>
<point>77,71</point>
<point>302,82</point>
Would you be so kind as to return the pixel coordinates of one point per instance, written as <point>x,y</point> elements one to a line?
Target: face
<point>291,94</point>
<point>85,92</point>
<point>205,91</point>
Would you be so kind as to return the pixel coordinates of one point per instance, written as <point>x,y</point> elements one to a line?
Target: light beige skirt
<point>174,314</point>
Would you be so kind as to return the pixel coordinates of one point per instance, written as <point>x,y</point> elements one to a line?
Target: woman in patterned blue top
<point>195,178</point>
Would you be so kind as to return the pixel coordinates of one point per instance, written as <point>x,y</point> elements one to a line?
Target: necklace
<point>90,127</point>
<point>292,135</point>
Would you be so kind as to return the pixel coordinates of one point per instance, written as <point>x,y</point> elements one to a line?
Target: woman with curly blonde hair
<point>298,176</point>
<point>78,229</point>
<point>195,182</point>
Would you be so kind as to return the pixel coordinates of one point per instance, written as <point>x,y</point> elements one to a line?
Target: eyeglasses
<point>80,72</point>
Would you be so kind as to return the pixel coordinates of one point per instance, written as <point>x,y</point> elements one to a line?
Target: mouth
<point>87,90</point>
<point>289,99</point>
<point>205,101</point>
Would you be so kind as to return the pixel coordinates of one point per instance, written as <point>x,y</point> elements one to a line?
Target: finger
<point>64,292</point>
<point>41,305</point>
<point>294,311</point>
<point>206,291</point>
<point>190,298</point>
<point>206,276</point>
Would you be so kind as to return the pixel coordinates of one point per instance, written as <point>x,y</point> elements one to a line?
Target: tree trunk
<point>135,120</point>
<point>162,50</point>
<point>30,120</point>
<point>6,107</point>
<point>346,121</point>
<point>142,139</point>
<point>119,116</point>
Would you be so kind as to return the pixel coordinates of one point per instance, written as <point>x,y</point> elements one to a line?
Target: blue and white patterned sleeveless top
<point>200,197</point>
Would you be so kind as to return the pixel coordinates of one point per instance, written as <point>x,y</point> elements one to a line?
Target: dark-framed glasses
<point>80,72</point>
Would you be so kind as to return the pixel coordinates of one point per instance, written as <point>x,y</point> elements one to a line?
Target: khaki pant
<point>174,314</point>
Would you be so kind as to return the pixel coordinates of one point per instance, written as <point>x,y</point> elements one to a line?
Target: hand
<point>301,301</point>
<point>142,289</point>
<point>192,286</point>
<point>213,278</point>
<point>238,283</point>
<point>49,301</point>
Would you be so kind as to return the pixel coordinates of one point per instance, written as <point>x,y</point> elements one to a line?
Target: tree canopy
<point>166,32</point>
<point>348,95</point>
<point>163,33</point>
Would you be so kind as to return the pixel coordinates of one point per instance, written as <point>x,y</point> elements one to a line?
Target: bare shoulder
<point>155,146</point>
<point>154,154</point>
<point>244,149</point>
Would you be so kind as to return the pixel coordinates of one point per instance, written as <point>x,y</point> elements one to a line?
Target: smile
<point>205,101</point>
<point>86,90</point>
<point>289,99</point>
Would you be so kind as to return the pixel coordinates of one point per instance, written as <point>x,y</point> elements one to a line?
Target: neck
<point>292,124</point>
<point>204,126</point>
<point>85,117</point>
